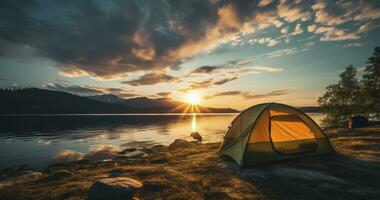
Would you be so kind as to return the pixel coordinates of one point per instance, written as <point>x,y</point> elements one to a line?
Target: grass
<point>198,172</point>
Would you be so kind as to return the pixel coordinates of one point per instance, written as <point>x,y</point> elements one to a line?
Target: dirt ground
<point>198,172</point>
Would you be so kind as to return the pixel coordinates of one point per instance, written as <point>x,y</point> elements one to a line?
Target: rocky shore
<point>191,170</point>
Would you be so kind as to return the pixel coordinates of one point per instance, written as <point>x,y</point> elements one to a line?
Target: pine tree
<point>371,82</point>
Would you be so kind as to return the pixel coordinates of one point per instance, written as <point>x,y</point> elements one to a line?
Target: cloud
<point>163,94</point>
<point>263,3</point>
<point>225,80</point>
<point>228,72</point>
<point>312,28</point>
<point>270,42</point>
<point>249,95</point>
<point>356,44</point>
<point>292,12</point>
<point>268,69</point>
<point>334,34</point>
<point>205,69</point>
<point>196,85</point>
<point>152,79</point>
<point>110,40</point>
<point>297,30</point>
<point>113,39</point>
<point>228,93</point>
<point>279,53</point>
<point>344,20</point>
<point>285,30</point>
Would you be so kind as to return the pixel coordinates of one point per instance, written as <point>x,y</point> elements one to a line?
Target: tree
<point>342,100</point>
<point>371,82</point>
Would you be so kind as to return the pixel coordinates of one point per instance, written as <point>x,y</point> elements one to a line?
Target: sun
<point>193,98</point>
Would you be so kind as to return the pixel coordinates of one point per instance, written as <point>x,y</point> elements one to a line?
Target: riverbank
<point>196,171</point>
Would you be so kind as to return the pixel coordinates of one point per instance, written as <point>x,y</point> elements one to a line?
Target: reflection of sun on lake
<point>194,123</point>
<point>38,142</point>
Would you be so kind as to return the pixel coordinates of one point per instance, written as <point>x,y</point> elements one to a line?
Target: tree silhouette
<point>371,82</point>
<point>341,100</point>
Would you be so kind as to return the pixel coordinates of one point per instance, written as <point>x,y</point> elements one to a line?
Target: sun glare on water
<point>193,98</point>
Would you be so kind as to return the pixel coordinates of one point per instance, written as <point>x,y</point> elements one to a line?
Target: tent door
<point>289,135</point>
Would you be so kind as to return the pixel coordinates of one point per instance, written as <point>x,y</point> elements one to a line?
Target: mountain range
<point>42,101</point>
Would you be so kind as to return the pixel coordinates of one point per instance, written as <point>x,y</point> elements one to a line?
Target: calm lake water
<point>41,140</point>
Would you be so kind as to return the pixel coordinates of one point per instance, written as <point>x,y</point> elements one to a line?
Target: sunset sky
<point>233,53</point>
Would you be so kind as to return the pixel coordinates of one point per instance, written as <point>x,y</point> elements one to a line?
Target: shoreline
<point>189,170</point>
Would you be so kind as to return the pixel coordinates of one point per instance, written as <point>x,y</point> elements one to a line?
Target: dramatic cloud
<point>110,39</point>
<point>152,79</point>
<point>249,95</point>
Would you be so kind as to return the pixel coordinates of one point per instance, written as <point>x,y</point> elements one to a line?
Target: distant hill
<point>108,98</point>
<point>39,101</point>
<point>146,104</point>
<point>42,101</point>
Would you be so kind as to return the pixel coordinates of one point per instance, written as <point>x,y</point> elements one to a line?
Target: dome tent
<point>272,131</point>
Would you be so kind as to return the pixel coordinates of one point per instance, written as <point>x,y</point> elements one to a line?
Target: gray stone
<point>179,143</point>
<point>120,188</point>
<point>137,153</point>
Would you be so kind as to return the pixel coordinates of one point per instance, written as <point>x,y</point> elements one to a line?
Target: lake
<point>39,140</point>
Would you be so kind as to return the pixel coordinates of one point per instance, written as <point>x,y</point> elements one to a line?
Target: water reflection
<point>194,123</point>
<point>40,140</point>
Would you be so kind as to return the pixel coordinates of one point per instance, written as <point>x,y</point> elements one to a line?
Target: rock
<point>179,143</point>
<point>120,188</point>
<point>27,176</point>
<point>147,150</point>
<point>128,150</point>
<point>358,121</point>
<point>196,136</point>
<point>57,175</point>
<point>136,153</point>
<point>157,147</point>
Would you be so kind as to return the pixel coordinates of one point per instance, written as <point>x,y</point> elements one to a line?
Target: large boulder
<point>179,143</point>
<point>120,188</point>
<point>358,121</point>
